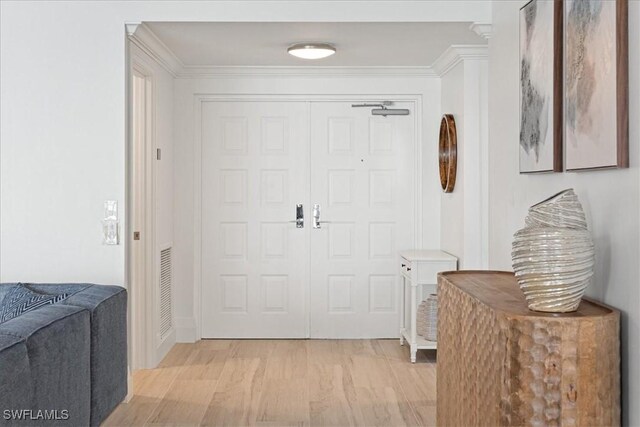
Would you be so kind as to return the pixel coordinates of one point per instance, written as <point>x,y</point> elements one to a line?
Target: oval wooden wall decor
<point>448,152</point>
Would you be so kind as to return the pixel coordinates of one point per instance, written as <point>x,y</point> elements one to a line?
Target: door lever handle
<point>299,216</point>
<point>316,217</point>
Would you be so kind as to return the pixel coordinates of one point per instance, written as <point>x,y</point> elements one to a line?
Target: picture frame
<point>541,92</point>
<point>596,85</point>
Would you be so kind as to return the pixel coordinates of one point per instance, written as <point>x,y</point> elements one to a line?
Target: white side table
<point>418,277</point>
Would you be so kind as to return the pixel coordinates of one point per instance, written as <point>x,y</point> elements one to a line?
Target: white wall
<point>452,204</point>
<point>464,221</point>
<point>427,88</point>
<point>610,198</point>
<point>62,133</point>
<point>62,141</point>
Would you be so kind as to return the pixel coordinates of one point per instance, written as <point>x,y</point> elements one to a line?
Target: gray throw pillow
<point>19,300</point>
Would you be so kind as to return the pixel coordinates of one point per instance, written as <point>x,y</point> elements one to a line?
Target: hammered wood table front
<point>501,364</point>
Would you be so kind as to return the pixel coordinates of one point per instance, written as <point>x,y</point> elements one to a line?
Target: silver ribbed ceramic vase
<point>553,255</point>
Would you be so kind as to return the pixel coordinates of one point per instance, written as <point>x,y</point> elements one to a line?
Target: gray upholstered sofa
<point>63,353</point>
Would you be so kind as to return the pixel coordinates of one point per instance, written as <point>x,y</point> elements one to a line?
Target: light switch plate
<point>110,232</point>
<point>111,210</point>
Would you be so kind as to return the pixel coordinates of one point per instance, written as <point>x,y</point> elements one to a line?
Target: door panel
<point>362,176</point>
<point>254,261</point>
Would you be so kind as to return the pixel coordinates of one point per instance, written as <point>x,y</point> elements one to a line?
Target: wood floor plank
<point>361,348</point>
<point>284,395</point>
<point>184,404</point>
<point>178,354</point>
<point>204,364</point>
<point>284,402</point>
<point>378,392</point>
<point>134,413</point>
<point>332,397</point>
<point>325,351</point>
<point>154,383</point>
<point>235,402</point>
<point>213,344</point>
<point>251,349</point>
<point>371,372</point>
<point>288,359</point>
<point>418,380</point>
<point>384,407</point>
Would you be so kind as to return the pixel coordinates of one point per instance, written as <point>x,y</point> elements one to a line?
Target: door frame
<point>199,99</point>
<point>141,261</point>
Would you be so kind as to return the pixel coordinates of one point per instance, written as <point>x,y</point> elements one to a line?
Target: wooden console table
<point>501,364</point>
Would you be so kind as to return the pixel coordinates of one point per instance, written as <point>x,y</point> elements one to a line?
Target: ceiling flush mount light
<point>311,50</point>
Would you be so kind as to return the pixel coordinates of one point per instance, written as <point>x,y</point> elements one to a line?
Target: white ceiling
<point>357,44</point>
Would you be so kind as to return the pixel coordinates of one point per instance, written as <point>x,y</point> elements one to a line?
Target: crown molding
<point>195,72</point>
<point>145,39</point>
<point>483,29</point>
<point>456,54</point>
<point>131,27</point>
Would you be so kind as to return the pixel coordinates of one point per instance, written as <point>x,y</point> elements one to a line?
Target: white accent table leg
<point>414,307</point>
<point>403,299</point>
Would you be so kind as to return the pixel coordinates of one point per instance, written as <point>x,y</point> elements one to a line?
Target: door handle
<point>316,217</point>
<point>299,216</point>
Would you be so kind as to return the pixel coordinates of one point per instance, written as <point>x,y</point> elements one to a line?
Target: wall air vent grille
<point>166,318</point>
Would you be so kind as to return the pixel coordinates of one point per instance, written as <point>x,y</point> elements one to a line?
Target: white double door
<point>261,275</point>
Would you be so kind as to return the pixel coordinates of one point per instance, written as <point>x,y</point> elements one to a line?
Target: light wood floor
<point>284,383</point>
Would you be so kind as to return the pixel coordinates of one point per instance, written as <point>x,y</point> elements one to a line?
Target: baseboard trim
<point>165,346</point>
<point>185,329</point>
<point>129,395</point>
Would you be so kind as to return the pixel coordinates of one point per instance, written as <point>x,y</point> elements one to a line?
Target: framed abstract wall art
<point>541,86</point>
<point>596,84</point>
